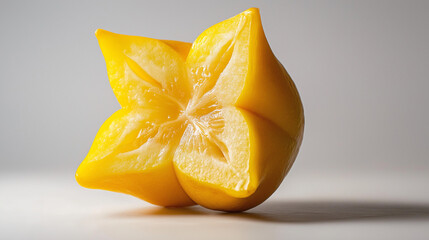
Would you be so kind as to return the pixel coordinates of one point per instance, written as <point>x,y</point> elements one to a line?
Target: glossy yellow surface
<point>218,123</point>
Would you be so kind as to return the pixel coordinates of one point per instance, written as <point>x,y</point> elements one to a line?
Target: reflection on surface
<point>305,211</point>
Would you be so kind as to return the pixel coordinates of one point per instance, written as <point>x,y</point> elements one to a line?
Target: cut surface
<point>216,152</point>
<point>218,59</point>
<point>161,110</point>
<point>144,72</point>
<point>132,154</point>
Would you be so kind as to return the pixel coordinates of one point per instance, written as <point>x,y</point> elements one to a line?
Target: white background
<point>361,68</point>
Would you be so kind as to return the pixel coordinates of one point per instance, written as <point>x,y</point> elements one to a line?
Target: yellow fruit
<point>218,124</point>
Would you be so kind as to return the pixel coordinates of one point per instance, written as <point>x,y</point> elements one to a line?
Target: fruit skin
<point>274,112</point>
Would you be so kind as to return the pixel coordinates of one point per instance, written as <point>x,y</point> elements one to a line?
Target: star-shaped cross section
<point>213,122</point>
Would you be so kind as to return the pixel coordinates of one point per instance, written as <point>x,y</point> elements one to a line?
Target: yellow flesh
<point>193,126</point>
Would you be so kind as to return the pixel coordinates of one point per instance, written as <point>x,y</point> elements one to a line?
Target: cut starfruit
<point>218,123</point>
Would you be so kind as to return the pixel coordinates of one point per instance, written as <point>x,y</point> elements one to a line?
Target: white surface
<point>307,206</point>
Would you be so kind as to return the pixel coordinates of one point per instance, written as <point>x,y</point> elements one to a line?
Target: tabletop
<point>323,205</point>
